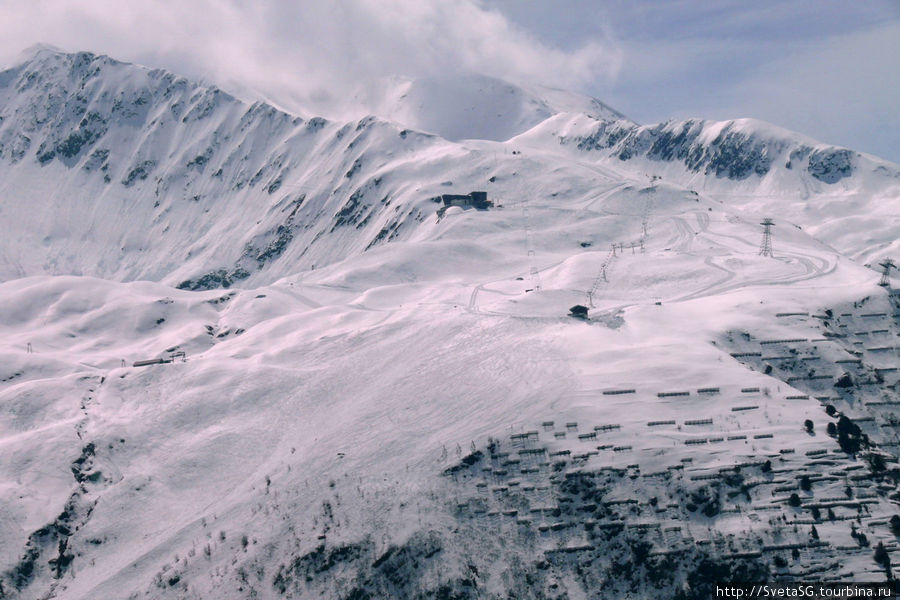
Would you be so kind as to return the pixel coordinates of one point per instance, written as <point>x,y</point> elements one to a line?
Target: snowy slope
<point>844,198</point>
<point>416,416</point>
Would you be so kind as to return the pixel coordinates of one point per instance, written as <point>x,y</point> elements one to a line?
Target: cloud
<point>309,52</point>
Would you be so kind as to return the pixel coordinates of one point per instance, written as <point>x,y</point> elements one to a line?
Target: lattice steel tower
<point>765,248</point>
<point>888,264</point>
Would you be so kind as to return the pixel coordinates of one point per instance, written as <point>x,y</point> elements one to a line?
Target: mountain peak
<point>474,106</point>
<point>31,52</point>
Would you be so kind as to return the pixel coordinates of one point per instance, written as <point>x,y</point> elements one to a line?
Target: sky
<point>825,68</point>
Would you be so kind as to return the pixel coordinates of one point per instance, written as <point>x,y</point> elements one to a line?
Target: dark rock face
<point>737,156</point>
<point>50,544</point>
<point>735,152</point>
<point>215,279</point>
<point>832,165</point>
<point>732,153</point>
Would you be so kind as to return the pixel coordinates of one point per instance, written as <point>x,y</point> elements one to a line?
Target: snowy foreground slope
<point>377,401</point>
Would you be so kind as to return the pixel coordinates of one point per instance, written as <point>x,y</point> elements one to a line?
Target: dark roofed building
<point>471,200</point>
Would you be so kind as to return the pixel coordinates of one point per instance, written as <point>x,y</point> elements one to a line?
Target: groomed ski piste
<point>351,395</point>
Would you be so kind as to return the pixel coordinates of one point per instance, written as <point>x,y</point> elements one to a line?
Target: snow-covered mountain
<point>182,183</point>
<point>389,399</point>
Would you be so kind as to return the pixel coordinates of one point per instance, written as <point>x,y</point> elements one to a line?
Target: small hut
<point>579,312</point>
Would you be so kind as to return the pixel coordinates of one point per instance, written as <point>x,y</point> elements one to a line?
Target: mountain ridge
<point>152,133</point>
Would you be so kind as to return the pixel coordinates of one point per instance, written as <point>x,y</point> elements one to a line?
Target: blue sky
<point>825,68</point>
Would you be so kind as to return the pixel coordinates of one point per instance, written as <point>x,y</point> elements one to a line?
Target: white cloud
<point>304,50</point>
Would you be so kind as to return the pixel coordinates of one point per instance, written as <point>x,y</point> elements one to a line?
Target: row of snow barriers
<point>675,394</point>
<point>806,340</point>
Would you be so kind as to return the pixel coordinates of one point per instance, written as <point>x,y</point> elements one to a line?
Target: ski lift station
<point>476,200</point>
